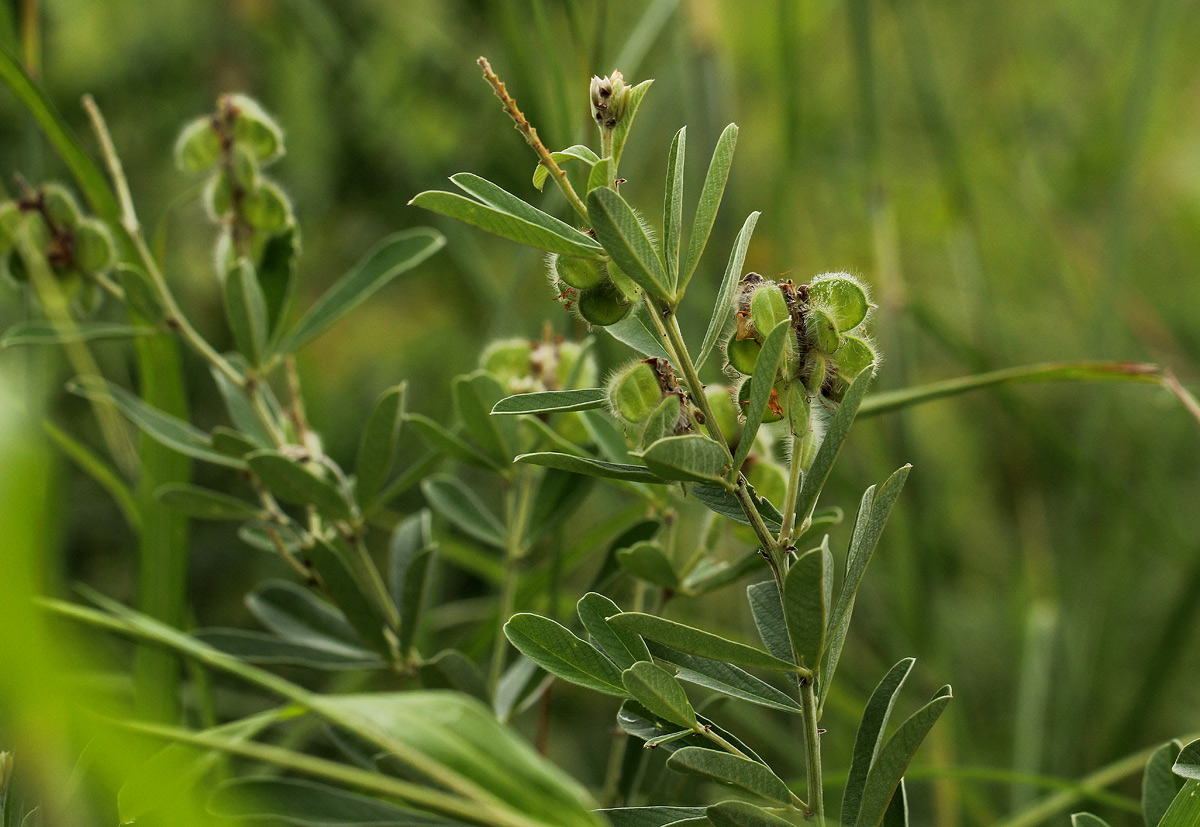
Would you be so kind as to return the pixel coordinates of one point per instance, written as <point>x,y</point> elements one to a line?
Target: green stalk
<point>795,475</point>
<point>812,750</point>
<point>518,511</point>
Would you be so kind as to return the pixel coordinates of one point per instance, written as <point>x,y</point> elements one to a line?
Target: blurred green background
<point>1018,182</point>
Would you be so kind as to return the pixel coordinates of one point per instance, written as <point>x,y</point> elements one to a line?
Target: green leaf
<point>601,174</point>
<point>330,559</point>
<point>1185,809</point>
<point>591,467</point>
<point>1159,784</point>
<point>607,434</point>
<point>1087,820</point>
<point>725,678</point>
<point>831,444</point>
<point>277,274</point>
<point>246,310</point>
<point>897,811</point>
<point>723,311</point>
<point>42,332</point>
<point>870,736</point>
<point>241,411</point>
<point>99,470</point>
<point>560,652</point>
<point>742,814</point>
<point>396,254</point>
<point>451,669</point>
<point>140,298</point>
<point>761,384</point>
<point>377,447</point>
<point>662,420</point>
<point>507,216</point>
<point>294,483</point>
<point>233,443</point>
<point>740,773</point>
<point>577,153</point>
<point>265,649</point>
<point>650,816</point>
<point>636,720</point>
<point>625,239</point>
<point>583,399</point>
<point>205,504</point>
<point>410,552</point>
<point>689,458</point>
<point>621,133</point>
<point>710,201</point>
<point>649,562</point>
<point>474,397</point>
<point>624,647</point>
<point>673,206</point>
<point>889,766</point>
<point>168,430</point>
<point>637,331</point>
<point>767,608</point>
<point>297,615</point>
<point>804,606</point>
<point>725,503</point>
<point>309,804</point>
<point>1187,765</point>
<point>463,508</point>
<point>697,642</point>
<point>449,443</point>
<point>657,689</point>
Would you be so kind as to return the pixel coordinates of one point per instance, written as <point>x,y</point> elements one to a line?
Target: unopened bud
<point>603,305</point>
<point>768,307</point>
<point>580,273</point>
<point>508,360</point>
<point>198,146</point>
<point>610,100</point>
<point>95,251</point>
<point>842,297</point>
<point>634,393</point>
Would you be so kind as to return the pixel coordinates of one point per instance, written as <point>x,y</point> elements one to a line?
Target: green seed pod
<point>507,360</point>
<point>842,297</point>
<point>769,480</point>
<point>742,354</point>
<point>634,393</point>
<point>580,273</point>
<point>822,332</point>
<point>724,411</point>
<point>772,413</point>
<point>218,196</point>
<point>95,251</point>
<point>603,305</point>
<point>198,146</point>
<point>245,168</point>
<point>255,128</point>
<point>662,421</point>
<point>267,208</point>
<point>815,368</point>
<point>767,307</point>
<point>60,206</point>
<point>853,357</point>
<point>796,407</point>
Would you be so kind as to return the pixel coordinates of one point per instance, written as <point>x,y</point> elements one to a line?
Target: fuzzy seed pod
<point>768,308</point>
<point>742,354</point>
<point>841,296</point>
<point>603,305</point>
<point>95,251</point>
<point>254,128</point>
<point>774,410</point>
<point>198,146</point>
<point>724,411</point>
<point>822,331</point>
<point>580,273</point>
<point>267,208</point>
<point>634,393</point>
<point>60,206</point>
<point>853,357</point>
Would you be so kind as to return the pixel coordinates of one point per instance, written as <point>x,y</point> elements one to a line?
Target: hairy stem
<point>812,750</point>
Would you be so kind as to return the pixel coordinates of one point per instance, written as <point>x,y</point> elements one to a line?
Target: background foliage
<point>1018,182</point>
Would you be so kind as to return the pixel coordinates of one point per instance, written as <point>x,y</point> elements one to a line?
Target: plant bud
<point>254,128</point>
<point>198,146</point>
<point>603,305</point>
<point>853,357</point>
<point>508,361</point>
<point>59,206</point>
<point>768,307</point>
<point>610,100</point>
<point>95,251</point>
<point>769,480</point>
<point>842,297</point>
<point>218,196</point>
<point>822,331</point>
<point>774,410</point>
<point>267,208</point>
<point>634,392</point>
<point>580,273</point>
<point>742,354</point>
<point>723,410</point>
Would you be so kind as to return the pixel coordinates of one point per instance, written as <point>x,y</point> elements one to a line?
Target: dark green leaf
<point>377,447</point>
<point>1159,784</point>
<point>689,458</point>
<point>1187,765</point>
<point>650,816</point>
<point>40,332</point>
<point>831,444</point>
<point>140,297</point>
<point>396,254</point>
<point>1185,809</point>
<point>330,560</point>
<point>410,551</point>
<point>804,606</point>
<point>889,766</point>
<point>724,678</point>
<point>277,274</point>
<point>767,608</point>
<point>462,507</point>
<point>637,331</point>
<point>657,689</point>
<point>591,467</point>
<point>697,642</point>
<point>897,811</point>
<point>624,647</point>
<point>673,205</point>
<point>560,652</point>
<point>204,503</point>
<point>625,239</point>
<point>246,310</point>
<point>710,201</point>
<point>742,814</point>
<point>474,397</point>
<point>242,412</point>
<point>723,311</point>
<point>870,736</point>
<point>233,443</point>
<point>449,443</point>
<point>648,561</point>
<point>552,401</point>
<point>725,503</point>
<point>297,615</point>
<point>761,385</point>
<point>294,483</point>
<point>308,804</point>
<point>740,773</point>
<point>451,669</point>
<point>262,648</point>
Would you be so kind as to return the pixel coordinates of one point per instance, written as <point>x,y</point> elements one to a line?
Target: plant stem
<point>795,474</point>
<point>531,138</point>
<point>812,750</point>
<point>518,516</point>
<point>378,588</point>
